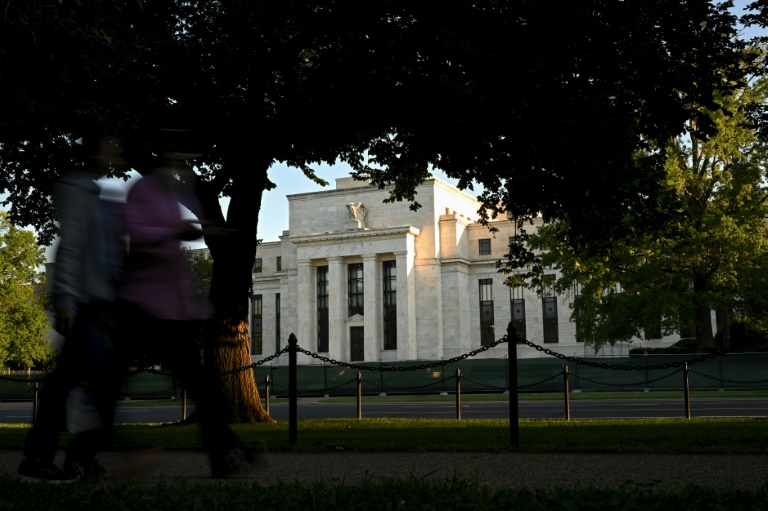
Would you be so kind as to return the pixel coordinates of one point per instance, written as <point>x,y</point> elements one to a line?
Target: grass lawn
<point>712,436</point>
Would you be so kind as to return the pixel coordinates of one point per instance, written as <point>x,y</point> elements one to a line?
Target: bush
<point>744,337</point>
<point>687,345</point>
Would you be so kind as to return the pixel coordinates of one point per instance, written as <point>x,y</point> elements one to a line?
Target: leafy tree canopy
<point>23,322</point>
<point>709,253</point>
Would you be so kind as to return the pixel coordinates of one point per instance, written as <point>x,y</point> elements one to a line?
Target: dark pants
<point>88,356</point>
<point>172,343</point>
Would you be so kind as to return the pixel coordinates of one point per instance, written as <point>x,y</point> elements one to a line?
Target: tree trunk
<point>704,336</point>
<point>227,344</point>
<point>724,326</point>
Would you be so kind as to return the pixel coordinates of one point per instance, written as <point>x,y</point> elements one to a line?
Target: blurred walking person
<point>86,272</point>
<point>156,303</point>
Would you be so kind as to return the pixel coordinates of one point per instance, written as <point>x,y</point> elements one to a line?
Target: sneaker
<point>35,471</point>
<point>89,469</point>
<point>232,461</point>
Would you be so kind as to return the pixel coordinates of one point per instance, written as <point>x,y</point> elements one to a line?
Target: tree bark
<point>227,343</point>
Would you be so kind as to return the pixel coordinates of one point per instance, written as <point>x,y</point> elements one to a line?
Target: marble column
<point>338,344</point>
<point>406,304</point>
<point>305,306</point>
<point>372,305</point>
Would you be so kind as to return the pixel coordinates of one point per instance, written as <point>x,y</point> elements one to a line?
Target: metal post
<point>359,395</point>
<point>686,391</point>
<point>567,393</point>
<point>382,392</point>
<point>267,384</point>
<point>458,394</point>
<point>647,388</point>
<point>514,416</point>
<point>720,367</point>
<point>293,391</point>
<point>34,402</point>
<point>325,379</point>
<point>506,371</point>
<point>184,403</point>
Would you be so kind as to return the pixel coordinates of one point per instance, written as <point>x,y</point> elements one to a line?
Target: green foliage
<point>694,436</point>
<point>709,252</point>
<point>745,337</point>
<point>23,322</point>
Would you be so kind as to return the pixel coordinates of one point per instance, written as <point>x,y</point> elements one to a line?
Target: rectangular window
<point>256,325</point>
<point>390,305</point>
<point>484,246</point>
<point>486,312</point>
<point>355,283</point>
<point>356,344</point>
<point>277,322</point>
<point>518,311</point>
<point>279,264</point>
<point>549,308</point>
<point>257,265</point>
<point>322,309</point>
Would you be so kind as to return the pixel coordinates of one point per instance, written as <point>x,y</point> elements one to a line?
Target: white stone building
<point>360,280</point>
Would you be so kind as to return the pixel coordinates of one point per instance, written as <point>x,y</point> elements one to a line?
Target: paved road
<point>312,409</point>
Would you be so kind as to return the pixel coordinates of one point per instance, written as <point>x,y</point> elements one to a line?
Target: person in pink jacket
<point>156,304</point>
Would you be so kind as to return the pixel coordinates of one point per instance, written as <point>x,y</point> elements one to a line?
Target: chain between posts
<point>20,380</point>
<point>742,382</point>
<point>256,364</point>
<point>644,382</point>
<point>353,380</point>
<point>395,387</point>
<point>615,367</point>
<point>431,365</point>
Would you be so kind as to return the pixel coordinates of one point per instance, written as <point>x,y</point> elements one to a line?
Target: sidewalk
<point>515,470</point>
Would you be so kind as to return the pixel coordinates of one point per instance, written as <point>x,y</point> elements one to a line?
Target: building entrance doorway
<point>356,344</point>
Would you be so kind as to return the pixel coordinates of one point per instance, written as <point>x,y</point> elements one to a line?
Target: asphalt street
<point>309,408</point>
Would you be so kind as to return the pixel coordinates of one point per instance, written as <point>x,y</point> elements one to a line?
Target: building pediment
<point>390,232</point>
<point>356,320</point>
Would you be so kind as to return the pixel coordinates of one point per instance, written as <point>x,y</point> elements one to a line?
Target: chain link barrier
<point>431,365</point>
<point>442,363</point>
<point>486,385</point>
<point>739,382</point>
<point>23,380</point>
<point>637,384</point>
<point>257,363</point>
<point>305,391</point>
<point>616,367</point>
<point>545,380</point>
<point>396,387</point>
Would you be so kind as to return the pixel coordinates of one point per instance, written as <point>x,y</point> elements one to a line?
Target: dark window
<point>518,311</point>
<point>356,344</point>
<point>277,322</point>
<point>390,305</point>
<point>355,289</point>
<point>549,308</point>
<point>486,312</point>
<point>257,265</point>
<point>256,325</point>
<point>485,246</point>
<point>279,263</point>
<point>322,309</point>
